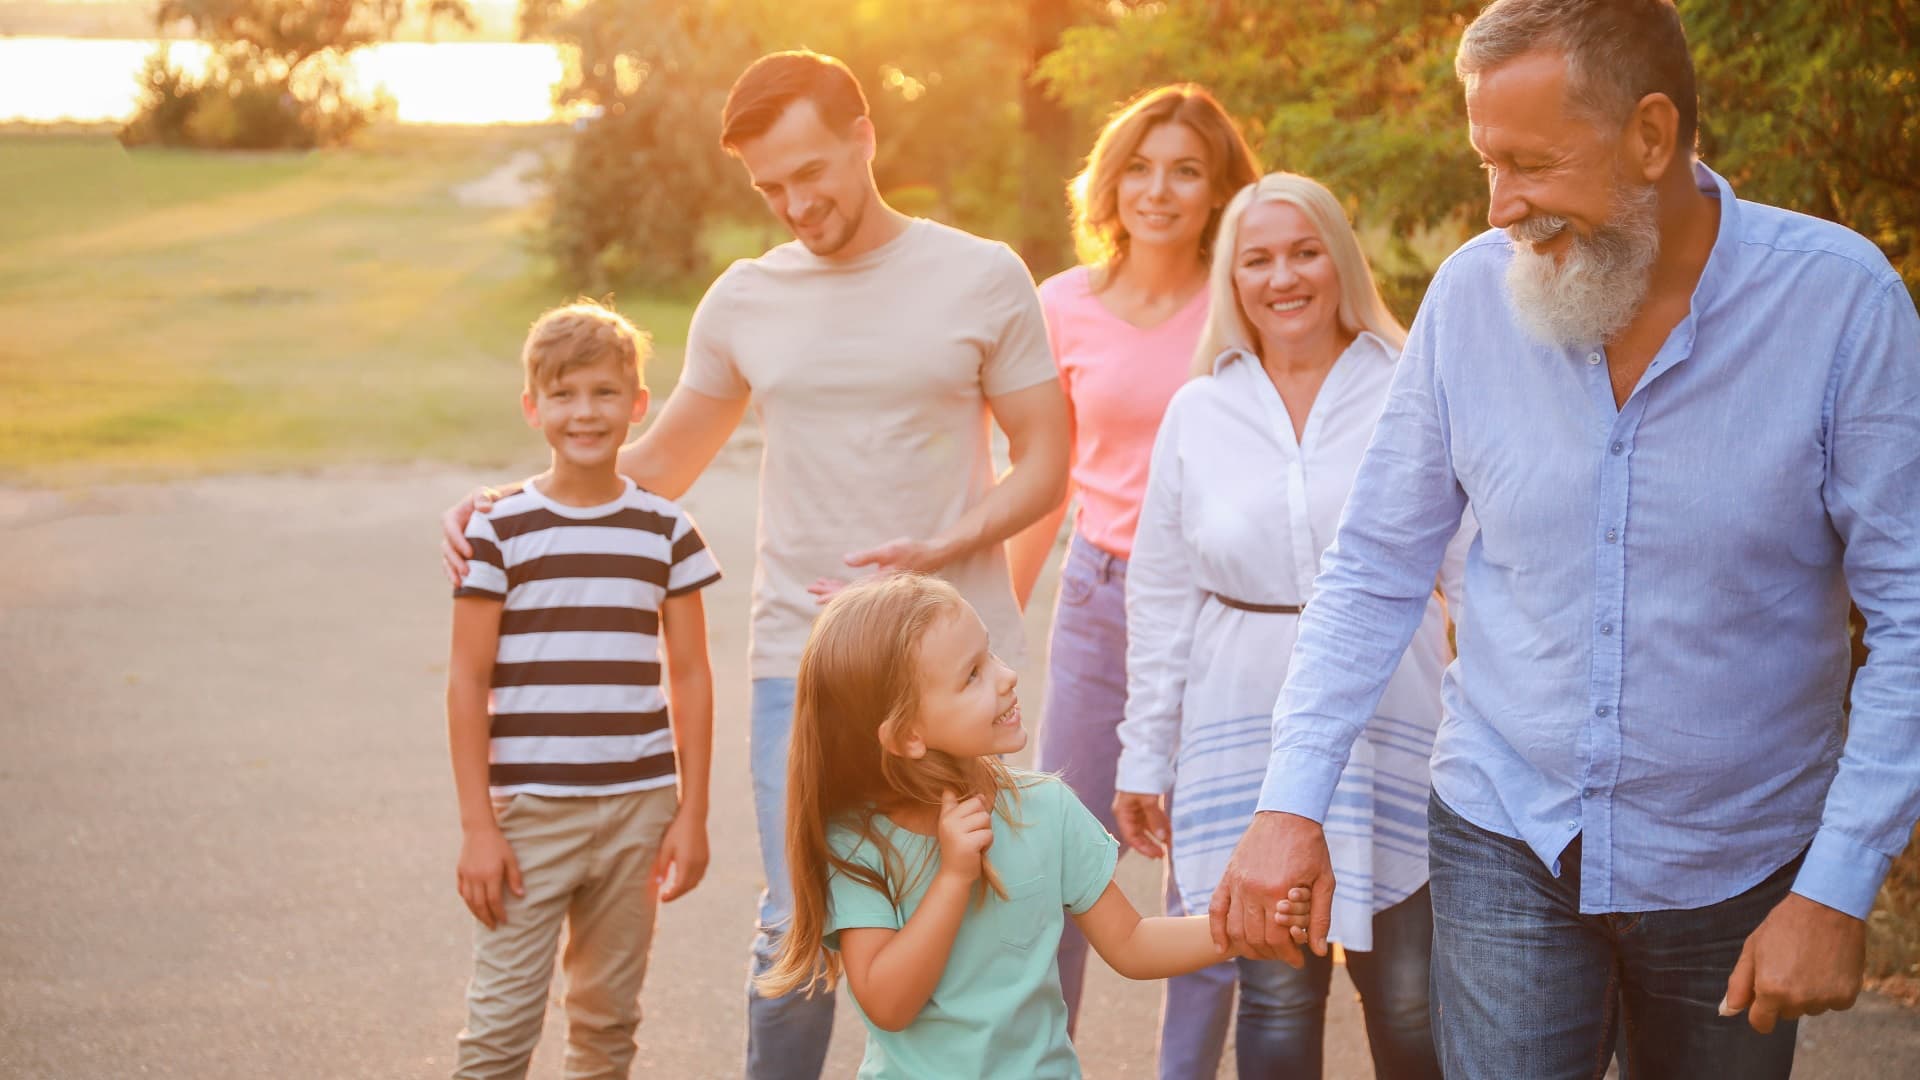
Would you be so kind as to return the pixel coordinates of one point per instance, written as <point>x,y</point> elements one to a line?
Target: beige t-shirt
<point>870,378</point>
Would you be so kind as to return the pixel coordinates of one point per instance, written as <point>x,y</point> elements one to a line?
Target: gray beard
<point>1593,291</point>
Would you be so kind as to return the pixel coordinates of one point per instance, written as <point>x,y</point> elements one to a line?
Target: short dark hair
<point>1618,51</point>
<point>777,80</point>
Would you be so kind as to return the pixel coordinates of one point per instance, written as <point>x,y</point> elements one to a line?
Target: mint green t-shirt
<point>997,1010</point>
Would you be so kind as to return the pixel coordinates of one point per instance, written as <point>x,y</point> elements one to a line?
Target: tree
<point>644,173</point>
<point>1816,107</point>
<point>277,75</point>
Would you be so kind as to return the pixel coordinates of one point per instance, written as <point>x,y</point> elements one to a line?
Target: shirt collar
<point>1365,338</point>
<point>1726,245</point>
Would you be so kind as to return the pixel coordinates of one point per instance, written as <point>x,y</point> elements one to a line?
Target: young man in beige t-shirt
<point>874,347</point>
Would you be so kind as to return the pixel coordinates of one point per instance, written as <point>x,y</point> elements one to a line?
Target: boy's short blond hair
<point>580,334</point>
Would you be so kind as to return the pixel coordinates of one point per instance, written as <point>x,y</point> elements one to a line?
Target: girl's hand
<point>1142,821</point>
<point>966,832</point>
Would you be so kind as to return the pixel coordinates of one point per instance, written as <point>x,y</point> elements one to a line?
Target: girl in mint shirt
<point>932,877</point>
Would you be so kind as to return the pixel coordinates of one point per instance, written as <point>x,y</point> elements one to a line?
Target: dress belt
<point>1259,609</point>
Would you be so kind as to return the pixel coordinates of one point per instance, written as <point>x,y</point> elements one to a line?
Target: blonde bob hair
<point>1361,308</point>
<point>1099,240</point>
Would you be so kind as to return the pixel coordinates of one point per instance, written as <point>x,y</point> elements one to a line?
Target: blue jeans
<point>1526,985</point>
<point>1079,739</point>
<point>1282,1023</point>
<point>786,1036</point>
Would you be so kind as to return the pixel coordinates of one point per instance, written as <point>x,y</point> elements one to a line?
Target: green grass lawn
<point>171,312</point>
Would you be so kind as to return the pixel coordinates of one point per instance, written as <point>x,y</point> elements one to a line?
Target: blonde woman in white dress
<point>1250,470</point>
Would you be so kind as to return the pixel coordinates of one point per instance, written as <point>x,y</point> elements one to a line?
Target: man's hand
<point>486,863</point>
<point>682,861</point>
<point>904,553</point>
<point>1278,854</point>
<point>1803,960</point>
<point>826,588</point>
<point>1142,821</point>
<point>454,549</point>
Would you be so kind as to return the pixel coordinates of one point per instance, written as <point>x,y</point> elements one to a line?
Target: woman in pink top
<point>1124,325</point>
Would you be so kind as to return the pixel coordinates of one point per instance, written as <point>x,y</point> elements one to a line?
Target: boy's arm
<point>683,637</point>
<point>486,860</point>
<point>1164,946</point>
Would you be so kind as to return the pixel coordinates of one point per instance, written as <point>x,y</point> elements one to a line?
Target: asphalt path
<point>229,826</point>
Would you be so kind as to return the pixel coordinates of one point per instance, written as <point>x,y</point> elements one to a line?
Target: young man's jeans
<point>786,1036</point>
<point>1282,1023</point>
<point>1525,985</point>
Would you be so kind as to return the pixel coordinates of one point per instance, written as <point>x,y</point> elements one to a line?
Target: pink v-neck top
<point>1118,378</point>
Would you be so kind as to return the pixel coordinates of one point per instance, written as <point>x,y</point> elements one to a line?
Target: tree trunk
<point>1048,160</point>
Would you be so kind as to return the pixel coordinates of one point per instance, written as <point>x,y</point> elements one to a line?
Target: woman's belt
<point>1259,609</point>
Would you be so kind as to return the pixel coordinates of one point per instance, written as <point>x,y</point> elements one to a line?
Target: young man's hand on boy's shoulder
<point>683,855</point>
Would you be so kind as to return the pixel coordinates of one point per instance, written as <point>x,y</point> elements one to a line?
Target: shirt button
<point>1617,447</point>
<point>1606,628</point>
<point>1613,535</point>
<point>1602,711</point>
<point>1593,358</point>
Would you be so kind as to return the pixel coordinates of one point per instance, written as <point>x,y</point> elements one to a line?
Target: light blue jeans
<point>1079,739</point>
<point>786,1036</point>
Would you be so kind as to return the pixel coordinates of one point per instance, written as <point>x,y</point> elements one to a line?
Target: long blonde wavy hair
<point>857,695</point>
<point>1361,307</point>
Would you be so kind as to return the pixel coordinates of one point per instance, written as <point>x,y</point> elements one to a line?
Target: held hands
<point>1279,857</point>
<point>682,860</point>
<point>1804,959</point>
<point>1142,821</point>
<point>486,863</point>
<point>454,549</point>
<point>965,832</point>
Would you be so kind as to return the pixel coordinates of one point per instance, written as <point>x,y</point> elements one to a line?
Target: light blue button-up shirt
<point>1656,650</point>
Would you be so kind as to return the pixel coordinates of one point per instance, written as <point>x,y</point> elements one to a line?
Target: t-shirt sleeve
<point>487,570</point>
<point>709,365</point>
<point>1088,854</point>
<point>853,904</point>
<point>1022,356</point>
<point>694,566</point>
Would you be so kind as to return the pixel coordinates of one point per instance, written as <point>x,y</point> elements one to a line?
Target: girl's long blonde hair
<point>858,693</point>
<point>1361,307</point>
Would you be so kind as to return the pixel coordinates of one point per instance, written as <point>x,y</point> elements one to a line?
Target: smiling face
<point>1585,231</point>
<point>815,180</point>
<point>1165,194</point>
<point>967,707</point>
<point>584,412</point>
<point>1288,288</point>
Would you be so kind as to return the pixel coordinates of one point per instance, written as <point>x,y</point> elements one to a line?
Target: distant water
<point>50,79</point>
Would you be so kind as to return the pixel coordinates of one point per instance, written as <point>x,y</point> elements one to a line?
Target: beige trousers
<point>586,862</point>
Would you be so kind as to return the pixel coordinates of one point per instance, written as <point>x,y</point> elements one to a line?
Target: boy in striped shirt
<point>566,744</point>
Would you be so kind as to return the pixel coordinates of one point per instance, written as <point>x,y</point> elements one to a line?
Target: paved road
<point>229,827</point>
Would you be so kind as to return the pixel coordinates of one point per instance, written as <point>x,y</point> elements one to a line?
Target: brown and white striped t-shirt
<point>577,707</point>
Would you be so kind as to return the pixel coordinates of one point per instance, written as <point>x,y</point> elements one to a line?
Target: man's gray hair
<point>1618,51</point>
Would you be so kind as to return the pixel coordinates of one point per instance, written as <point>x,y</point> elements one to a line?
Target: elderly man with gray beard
<point>1690,429</point>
